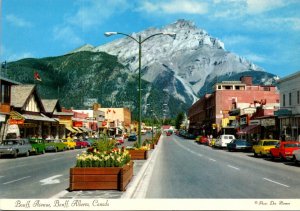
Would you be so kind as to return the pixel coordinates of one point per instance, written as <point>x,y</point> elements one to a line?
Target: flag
<point>37,76</point>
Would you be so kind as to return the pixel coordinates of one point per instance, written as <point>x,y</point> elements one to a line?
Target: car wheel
<point>27,154</point>
<point>272,157</point>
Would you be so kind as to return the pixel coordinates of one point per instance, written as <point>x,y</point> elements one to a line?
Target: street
<point>39,176</point>
<point>184,169</point>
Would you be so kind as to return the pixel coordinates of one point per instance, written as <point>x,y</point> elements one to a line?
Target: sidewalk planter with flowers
<point>139,153</point>
<point>102,170</point>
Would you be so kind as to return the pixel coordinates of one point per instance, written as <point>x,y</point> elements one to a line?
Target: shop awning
<point>77,129</point>
<point>71,129</point>
<point>249,129</point>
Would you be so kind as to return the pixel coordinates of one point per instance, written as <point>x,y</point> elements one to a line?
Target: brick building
<point>218,111</point>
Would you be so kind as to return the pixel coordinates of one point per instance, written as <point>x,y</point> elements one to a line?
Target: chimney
<point>246,80</point>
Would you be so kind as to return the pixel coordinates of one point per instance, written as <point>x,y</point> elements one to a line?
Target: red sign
<point>104,123</point>
<point>16,121</point>
<point>77,124</point>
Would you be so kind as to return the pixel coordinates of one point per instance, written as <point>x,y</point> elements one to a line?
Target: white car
<point>223,140</point>
<point>296,156</point>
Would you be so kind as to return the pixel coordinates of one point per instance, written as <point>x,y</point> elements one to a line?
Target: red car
<point>203,140</point>
<point>284,150</point>
<point>81,144</point>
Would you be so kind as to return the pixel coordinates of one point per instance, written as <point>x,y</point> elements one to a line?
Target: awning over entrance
<point>249,129</point>
<point>77,129</point>
<point>71,129</point>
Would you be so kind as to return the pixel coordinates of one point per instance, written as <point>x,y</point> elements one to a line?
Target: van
<point>223,140</point>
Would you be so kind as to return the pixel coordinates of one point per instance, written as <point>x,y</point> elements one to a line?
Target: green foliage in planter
<point>104,144</point>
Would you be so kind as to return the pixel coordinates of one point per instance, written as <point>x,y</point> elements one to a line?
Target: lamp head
<point>107,34</point>
<point>171,34</point>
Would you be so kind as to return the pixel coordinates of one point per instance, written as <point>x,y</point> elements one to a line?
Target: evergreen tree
<point>179,120</point>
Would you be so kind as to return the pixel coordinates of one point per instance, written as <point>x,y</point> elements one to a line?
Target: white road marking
<point>276,182</point>
<point>212,159</point>
<point>15,180</point>
<point>50,180</point>
<point>233,167</point>
<point>187,149</point>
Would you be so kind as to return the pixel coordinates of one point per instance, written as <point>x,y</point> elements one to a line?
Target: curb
<point>135,188</point>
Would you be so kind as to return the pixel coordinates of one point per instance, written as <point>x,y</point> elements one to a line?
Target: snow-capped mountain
<point>181,65</point>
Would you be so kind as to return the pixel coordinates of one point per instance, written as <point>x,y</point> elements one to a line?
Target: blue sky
<point>266,32</point>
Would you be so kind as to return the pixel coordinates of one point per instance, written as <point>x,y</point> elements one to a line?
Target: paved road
<point>38,176</point>
<point>184,169</point>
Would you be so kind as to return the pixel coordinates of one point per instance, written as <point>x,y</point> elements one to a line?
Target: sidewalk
<point>139,169</point>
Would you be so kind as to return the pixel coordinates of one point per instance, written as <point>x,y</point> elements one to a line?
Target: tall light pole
<point>140,42</point>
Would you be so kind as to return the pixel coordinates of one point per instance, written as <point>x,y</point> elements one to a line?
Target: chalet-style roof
<point>8,80</point>
<point>20,95</point>
<point>50,105</point>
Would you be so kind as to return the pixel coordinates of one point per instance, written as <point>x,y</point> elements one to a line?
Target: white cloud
<point>19,22</point>
<point>175,6</point>
<point>260,6</point>
<point>66,34</point>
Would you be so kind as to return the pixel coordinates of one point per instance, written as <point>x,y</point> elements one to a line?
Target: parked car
<point>38,146</point>
<point>132,137</point>
<point>70,144</point>
<point>120,140</point>
<point>15,147</point>
<point>296,156</point>
<point>203,140</point>
<point>239,144</point>
<point>284,150</point>
<point>80,144</point>
<point>263,147</point>
<point>223,140</point>
<point>54,145</point>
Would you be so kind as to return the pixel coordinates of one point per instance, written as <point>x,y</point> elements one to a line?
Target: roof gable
<point>25,97</point>
<point>51,105</point>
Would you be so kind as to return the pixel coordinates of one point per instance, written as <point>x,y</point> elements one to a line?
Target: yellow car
<point>263,147</point>
<point>69,143</point>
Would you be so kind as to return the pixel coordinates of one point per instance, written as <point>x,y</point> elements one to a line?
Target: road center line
<point>212,159</point>
<point>233,167</point>
<point>15,180</point>
<point>191,151</point>
<point>276,182</point>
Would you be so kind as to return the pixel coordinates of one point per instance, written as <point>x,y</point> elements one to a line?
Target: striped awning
<point>71,129</point>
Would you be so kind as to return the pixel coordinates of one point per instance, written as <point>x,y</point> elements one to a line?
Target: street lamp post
<point>140,42</point>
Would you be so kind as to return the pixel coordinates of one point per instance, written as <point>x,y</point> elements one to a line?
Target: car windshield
<point>270,143</point>
<point>10,142</point>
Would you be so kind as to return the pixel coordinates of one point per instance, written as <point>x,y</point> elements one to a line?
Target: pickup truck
<point>16,147</point>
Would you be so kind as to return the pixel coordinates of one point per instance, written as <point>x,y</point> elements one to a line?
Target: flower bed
<point>101,170</point>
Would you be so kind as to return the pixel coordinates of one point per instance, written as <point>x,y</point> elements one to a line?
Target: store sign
<point>15,118</point>
<point>254,122</point>
<point>268,122</point>
<point>16,121</point>
<point>77,124</point>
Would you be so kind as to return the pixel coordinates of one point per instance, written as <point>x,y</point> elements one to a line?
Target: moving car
<point>15,147</point>
<point>263,147</point>
<point>223,140</point>
<point>296,156</point>
<point>132,137</point>
<point>239,144</point>
<point>203,140</point>
<point>284,150</point>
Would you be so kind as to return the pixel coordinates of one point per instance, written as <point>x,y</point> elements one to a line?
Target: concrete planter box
<point>138,154</point>
<point>101,178</point>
